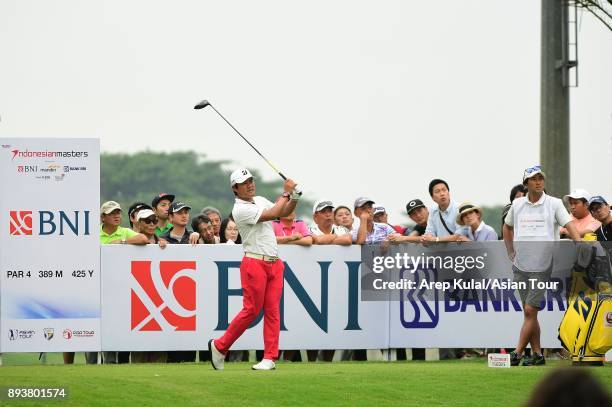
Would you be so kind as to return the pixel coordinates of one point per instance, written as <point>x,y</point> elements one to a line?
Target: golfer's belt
<point>269,259</point>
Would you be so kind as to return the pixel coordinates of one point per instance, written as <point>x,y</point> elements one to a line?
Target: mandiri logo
<point>163,296</point>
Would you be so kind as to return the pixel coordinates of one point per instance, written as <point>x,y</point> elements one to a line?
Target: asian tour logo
<point>163,296</point>
<point>20,223</point>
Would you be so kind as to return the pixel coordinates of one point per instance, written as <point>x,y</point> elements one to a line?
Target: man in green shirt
<point>111,232</point>
<point>161,205</point>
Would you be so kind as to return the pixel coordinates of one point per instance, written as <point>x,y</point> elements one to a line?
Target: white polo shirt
<point>335,230</point>
<point>256,237</point>
<point>536,222</point>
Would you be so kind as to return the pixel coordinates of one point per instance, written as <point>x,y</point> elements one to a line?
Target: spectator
<point>368,231</point>
<point>381,216</point>
<point>343,217</point>
<point>418,212</point>
<point>215,216</point>
<point>133,211</point>
<point>179,217</point>
<point>161,205</point>
<point>441,225</point>
<point>578,203</point>
<point>203,225</point>
<point>229,233</point>
<point>569,387</point>
<point>112,233</point>
<point>178,234</point>
<point>146,222</point>
<point>517,191</point>
<point>289,230</point>
<point>470,216</point>
<point>205,230</point>
<point>533,218</point>
<point>601,211</point>
<point>324,231</point>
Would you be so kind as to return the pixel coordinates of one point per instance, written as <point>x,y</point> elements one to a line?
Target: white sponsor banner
<point>490,321</point>
<point>320,309</point>
<point>49,244</point>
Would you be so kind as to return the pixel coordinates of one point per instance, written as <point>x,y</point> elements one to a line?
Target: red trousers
<point>262,287</point>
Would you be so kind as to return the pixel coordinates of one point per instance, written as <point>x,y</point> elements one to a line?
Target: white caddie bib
<point>532,225</point>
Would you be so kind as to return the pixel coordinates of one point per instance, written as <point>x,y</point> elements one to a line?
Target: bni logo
<point>419,309</point>
<point>50,223</point>
<point>20,223</point>
<point>163,296</point>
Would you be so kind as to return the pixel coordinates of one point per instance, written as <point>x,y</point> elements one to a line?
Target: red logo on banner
<point>164,297</point>
<point>20,222</point>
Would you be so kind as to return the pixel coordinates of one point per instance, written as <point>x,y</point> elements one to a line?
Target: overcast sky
<point>347,97</point>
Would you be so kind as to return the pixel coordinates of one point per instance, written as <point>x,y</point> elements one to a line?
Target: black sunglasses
<point>148,221</point>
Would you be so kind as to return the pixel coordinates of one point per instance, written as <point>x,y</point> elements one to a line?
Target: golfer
<point>261,271</point>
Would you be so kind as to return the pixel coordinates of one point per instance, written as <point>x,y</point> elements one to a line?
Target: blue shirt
<point>378,234</point>
<point>483,232</point>
<point>435,226</point>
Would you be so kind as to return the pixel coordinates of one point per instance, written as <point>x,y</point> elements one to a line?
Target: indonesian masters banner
<point>49,245</point>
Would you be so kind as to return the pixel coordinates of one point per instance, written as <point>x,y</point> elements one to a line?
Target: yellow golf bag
<point>586,328</point>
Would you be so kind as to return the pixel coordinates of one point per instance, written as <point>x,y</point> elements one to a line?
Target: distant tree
<point>492,217</point>
<point>195,180</point>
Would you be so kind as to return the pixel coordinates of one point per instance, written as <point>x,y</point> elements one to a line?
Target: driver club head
<point>202,104</point>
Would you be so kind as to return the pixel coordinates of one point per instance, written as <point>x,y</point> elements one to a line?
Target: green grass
<point>456,383</point>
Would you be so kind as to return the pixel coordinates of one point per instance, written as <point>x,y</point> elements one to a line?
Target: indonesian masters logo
<point>163,297</point>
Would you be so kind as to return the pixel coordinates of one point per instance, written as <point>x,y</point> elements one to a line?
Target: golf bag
<point>586,328</point>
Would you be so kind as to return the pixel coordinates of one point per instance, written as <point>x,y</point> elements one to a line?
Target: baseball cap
<point>413,204</point>
<point>177,206</point>
<point>137,206</point>
<point>379,209</point>
<point>577,194</point>
<point>532,171</point>
<point>597,199</point>
<point>161,196</point>
<point>322,204</point>
<point>239,176</point>
<point>145,213</point>
<point>362,200</point>
<point>108,207</point>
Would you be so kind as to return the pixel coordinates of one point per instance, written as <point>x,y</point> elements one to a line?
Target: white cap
<point>239,176</point>
<point>108,207</point>
<point>379,209</point>
<point>322,204</point>
<point>577,194</point>
<point>532,171</point>
<point>145,213</point>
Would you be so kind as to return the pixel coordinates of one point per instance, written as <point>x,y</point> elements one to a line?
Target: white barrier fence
<point>179,297</point>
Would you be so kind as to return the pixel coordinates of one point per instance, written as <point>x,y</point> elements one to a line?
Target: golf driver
<point>205,103</point>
